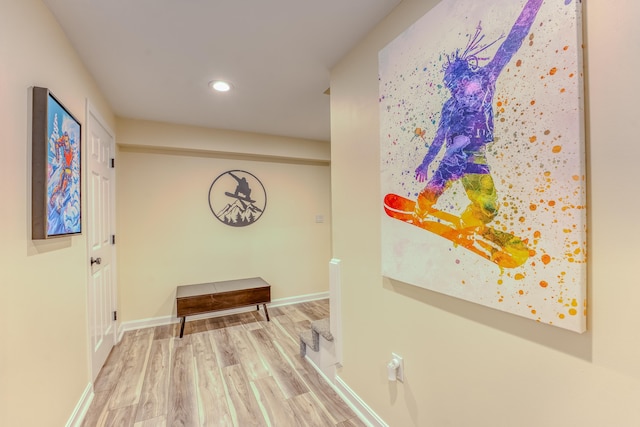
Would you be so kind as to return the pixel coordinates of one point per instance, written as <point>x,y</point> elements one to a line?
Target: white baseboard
<point>167,320</point>
<point>77,416</point>
<point>364,412</point>
<point>298,299</point>
<point>357,405</point>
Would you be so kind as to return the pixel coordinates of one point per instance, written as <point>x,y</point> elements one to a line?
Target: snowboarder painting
<point>482,155</point>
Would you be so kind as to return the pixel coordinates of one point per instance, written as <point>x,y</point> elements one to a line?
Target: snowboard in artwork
<point>499,247</point>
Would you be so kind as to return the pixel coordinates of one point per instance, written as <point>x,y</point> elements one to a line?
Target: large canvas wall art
<point>483,159</point>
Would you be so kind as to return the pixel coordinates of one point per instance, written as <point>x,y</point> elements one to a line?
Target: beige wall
<point>470,365</point>
<point>220,142</point>
<point>465,364</point>
<point>167,235</point>
<point>43,352</point>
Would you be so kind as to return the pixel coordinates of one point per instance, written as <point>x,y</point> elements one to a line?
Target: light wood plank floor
<point>237,370</point>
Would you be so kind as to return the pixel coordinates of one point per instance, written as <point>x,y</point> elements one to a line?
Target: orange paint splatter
<point>556,149</point>
<point>521,292</point>
<point>499,104</point>
<point>533,207</point>
<point>546,259</point>
<point>552,202</point>
<point>576,178</point>
<point>543,284</point>
<point>536,234</point>
<point>573,311</point>
<point>532,138</point>
<point>519,276</point>
<point>533,312</point>
<point>563,90</point>
<point>565,48</point>
<point>533,102</point>
<point>518,62</point>
<point>561,316</point>
<point>553,71</point>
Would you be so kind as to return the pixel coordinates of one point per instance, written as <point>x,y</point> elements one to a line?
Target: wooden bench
<point>214,296</point>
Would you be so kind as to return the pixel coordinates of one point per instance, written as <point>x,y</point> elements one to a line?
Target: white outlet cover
<point>400,371</point>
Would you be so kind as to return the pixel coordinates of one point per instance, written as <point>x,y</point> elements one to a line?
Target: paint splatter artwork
<point>482,157</point>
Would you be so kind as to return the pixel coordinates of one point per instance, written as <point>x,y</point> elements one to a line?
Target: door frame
<point>91,110</point>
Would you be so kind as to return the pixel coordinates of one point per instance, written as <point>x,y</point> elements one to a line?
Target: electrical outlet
<point>400,370</point>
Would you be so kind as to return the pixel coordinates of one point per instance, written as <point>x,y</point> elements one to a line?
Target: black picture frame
<point>56,186</point>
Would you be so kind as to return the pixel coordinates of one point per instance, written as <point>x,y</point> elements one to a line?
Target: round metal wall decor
<point>237,198</point>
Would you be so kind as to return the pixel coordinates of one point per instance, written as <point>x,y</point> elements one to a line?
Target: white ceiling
<point>153,59</point>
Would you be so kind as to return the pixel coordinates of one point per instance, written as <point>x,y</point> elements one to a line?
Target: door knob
<point>96,261</point>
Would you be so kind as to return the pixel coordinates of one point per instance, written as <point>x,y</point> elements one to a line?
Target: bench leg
<point>182,326</point>
<point>265,311</point>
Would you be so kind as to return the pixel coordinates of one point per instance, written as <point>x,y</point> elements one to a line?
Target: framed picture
<point>56,178</point>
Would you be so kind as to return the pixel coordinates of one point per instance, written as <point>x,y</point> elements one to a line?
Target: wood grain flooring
<point>237,370</point>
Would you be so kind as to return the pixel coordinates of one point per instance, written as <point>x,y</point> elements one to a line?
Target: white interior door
<point>100,225</point>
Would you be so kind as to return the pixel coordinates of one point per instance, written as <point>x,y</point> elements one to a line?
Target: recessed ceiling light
<point>220,85</point>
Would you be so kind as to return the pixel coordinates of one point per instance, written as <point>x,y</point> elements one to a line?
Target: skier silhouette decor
<point>237,198</point>
<point>482,156</point>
